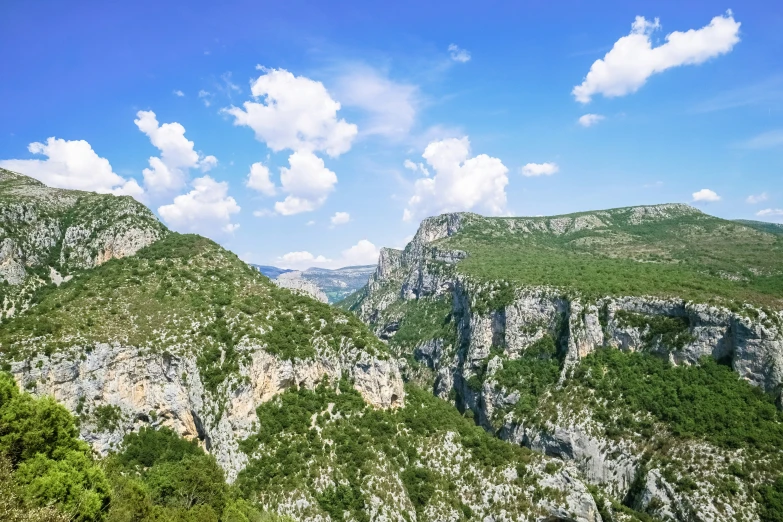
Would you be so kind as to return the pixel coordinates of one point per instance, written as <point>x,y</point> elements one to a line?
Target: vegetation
<point>707,400</point>
<point>51,466</point>
<point>531,375</point>
<point>330,432</point>
<point>680,253</point>
<point>672,333</point>
<point>771,500</point>
<point>424,320</point>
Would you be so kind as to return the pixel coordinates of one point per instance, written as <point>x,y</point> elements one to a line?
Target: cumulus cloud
<point>767,212</point>
<point>633,59</point>
<point>179,93</point>
<point>758,198</point>
<point>340,218</point>
<point>362,253</point>
<point>294,112</point>
<point>73,165</point>
<point>460,182</point>
<point>588,120</point>
<point>206,97</point>
<point>706,195</point>
<point>539,169</point>
<point>307,181</point>
<point>177,155</point>
<point>258,179</point>
<point>301,260</point>
<point>390,106</point>
<point>206,209</point>
<point>457,54</point>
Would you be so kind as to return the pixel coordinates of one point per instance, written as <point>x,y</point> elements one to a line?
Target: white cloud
<point>539,169</point>
<point>753,199</point>
<point>706,195</point>
<point>460,183</point>
<point>207,163</point>
<point>170,170</point>
<point>340,218</point>
<point>457,54</point>
<point>258,179</point>
<point>307,181</point>
<point>73,165</point>
<point>588,120</point>
<point>207,209</point>
<point>416,167</point>
<point>362,253</point>
<point>770,212</point>
<point>294,113</point>
<point>301,260</point>
<point>310,223</point>
<point>205,97</point>
<point>633,59</point>
<point>391,107</point>
<point>264,212</point>
<point>179,93</point>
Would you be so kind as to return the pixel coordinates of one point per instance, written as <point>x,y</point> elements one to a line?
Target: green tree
<point>52,466</point>
<point>194,480</point>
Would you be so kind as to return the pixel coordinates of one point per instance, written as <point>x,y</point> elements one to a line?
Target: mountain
<point>326,285</point>
<point>642,345</point>
<point>296,402</point>
<point>270,271</point>
<point>47,235</point>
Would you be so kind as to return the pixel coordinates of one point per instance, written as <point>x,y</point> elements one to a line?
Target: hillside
<point>607,339</point>
<point>297,403</point>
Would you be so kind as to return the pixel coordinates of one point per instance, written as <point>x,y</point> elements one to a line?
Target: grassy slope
<point>685,254</point>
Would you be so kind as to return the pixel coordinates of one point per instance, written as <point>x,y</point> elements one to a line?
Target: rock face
<point>749,339</point>
<point>68,230</point>
<point>165,390</point>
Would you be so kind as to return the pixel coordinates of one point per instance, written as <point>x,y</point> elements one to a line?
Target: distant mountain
<point>763,226</point>
<point>271,271</point>
<point>322,283</point>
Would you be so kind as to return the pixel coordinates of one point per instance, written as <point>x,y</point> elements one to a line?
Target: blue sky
<point>478,97</point>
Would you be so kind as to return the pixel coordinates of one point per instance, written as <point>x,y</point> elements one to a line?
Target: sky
<point>303,134</point>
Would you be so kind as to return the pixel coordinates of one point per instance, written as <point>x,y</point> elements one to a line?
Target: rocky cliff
<point>502,288</point>
<point>130,325</point>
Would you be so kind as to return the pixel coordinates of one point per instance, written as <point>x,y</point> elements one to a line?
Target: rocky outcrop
<point>115,389</point>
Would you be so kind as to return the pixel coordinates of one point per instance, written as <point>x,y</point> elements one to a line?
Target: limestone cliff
<point>496,321</point>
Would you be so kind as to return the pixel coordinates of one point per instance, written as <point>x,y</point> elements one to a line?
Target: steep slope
<point>298,401</point>
<point>47,234</point>
<point>505,317</point>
